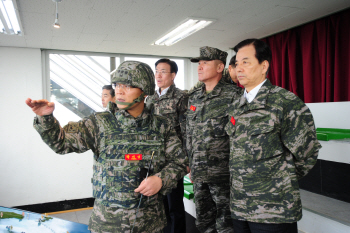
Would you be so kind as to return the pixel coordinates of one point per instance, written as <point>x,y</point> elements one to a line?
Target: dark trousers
<point>253,227</point>
<point>175,210</point>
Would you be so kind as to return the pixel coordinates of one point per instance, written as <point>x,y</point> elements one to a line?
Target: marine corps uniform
<point>208,149</point>
<point>173,106</point>
<point>273,144</point>
<point>123,146</point>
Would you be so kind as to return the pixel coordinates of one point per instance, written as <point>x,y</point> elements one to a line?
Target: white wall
<point>333,115</point>
<point>30,172</point>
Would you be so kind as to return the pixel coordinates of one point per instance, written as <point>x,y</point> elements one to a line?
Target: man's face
<point>164,77</point>
<point>232,71</point>
<point>106,97</point>
<point>209,69</point>
<point>249,72</point>
<point>126,93</point>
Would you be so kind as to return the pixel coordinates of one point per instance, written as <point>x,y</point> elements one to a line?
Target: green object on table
<point>188,192</point>
<point>326,134</point>
<point>188,188</point>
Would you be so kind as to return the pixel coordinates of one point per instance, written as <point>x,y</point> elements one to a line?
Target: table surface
<point>34,222</point>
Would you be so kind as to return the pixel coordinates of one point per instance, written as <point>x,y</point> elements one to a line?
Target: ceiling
<point>131,26</point>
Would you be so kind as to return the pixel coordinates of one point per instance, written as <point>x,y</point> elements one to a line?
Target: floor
<point>332,208</point>
<point>79,215</point>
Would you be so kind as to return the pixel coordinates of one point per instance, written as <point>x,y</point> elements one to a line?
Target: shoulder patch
<point>71,127</point>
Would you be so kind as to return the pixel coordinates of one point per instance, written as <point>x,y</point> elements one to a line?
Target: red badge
<point>193,108</point>
<point>233,121</point>
<point>133,157</point>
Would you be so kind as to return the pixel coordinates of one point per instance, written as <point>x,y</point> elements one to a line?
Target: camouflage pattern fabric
<point>113,219</point>
<point>114,177</point>
<point>207,142</point>
<point>208,53</point>
<point>136,74</point>
<point>273,143</point>
<point>212,207</point>
<point>208,150</point>
<point>173,106</point>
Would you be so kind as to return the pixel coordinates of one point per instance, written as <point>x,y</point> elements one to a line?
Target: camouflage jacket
<point>173,106</point>
<point>115,139</point>
<point>273,143</point>
<point>207,142</point>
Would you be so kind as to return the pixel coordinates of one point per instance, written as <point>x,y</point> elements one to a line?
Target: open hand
<point>40,107</point>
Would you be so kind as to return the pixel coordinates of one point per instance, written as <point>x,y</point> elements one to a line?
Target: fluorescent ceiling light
<point>184,30</point>
<point>9,18</point>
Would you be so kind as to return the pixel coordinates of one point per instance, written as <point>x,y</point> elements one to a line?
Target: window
<point>76,80</point>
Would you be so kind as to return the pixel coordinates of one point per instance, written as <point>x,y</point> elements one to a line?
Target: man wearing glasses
<point>136,153</point>
<point>171,102</point>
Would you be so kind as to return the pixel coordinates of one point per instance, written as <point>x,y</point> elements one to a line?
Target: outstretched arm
<point>74,137</point>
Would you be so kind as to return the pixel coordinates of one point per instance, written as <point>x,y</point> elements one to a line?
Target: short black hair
<point>233,61</point>
<point>172,64</point>
<point>110,88</point>
<point>262,50</point>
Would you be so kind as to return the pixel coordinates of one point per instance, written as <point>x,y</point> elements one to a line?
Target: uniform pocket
<point>218,126</point>
<point>168,111</point>
<point>230,128</point>
<point>190,122</point>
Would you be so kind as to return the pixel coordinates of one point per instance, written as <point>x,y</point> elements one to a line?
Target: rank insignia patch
<point>133,157</point>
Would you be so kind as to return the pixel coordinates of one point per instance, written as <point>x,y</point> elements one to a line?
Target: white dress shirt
<point>163,92</point>
<point>251,95</point>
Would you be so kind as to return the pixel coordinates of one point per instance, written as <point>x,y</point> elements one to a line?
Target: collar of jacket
<point>169,94</point>
<point>127,120</point>
<point>215,92</point>
<point>112,107</point>
<point>259,101</point>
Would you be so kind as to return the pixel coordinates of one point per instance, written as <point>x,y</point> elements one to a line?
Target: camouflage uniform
<point>273,144</point>
<point>173,105</point>
<point>208,149</point>
<point>113,137</point>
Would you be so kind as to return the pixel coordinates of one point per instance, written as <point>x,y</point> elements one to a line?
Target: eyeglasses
<point>162,72</point>
<point>118,87</point>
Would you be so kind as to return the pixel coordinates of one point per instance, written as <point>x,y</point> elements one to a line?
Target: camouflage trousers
<point>212,203</point>
<point>113,219</point>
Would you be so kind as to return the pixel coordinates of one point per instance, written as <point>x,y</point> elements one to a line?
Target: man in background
<point>208,144</point>
<point>107,95</point>
<point>232,69</point>
<point>119,176</point>
<point>171,102</point>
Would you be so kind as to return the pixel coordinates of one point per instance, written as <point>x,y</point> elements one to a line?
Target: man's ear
<point>220,67</point>
<point>173,76</point>
<point>265,66</point>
